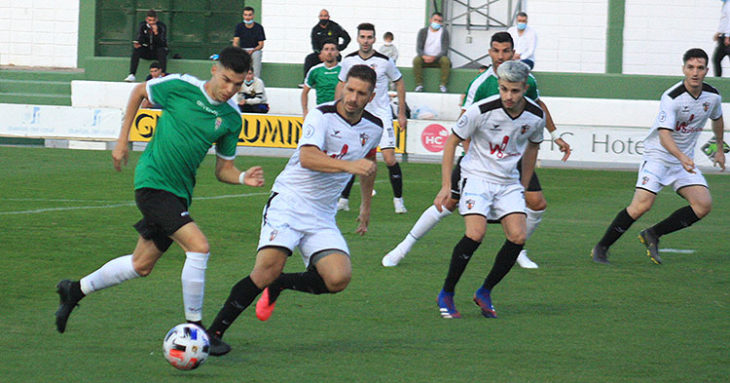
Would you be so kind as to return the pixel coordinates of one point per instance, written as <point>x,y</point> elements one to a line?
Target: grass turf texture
<point>569,321</point>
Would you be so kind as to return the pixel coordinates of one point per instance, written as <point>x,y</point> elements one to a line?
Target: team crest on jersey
<point>218,122</point>
<point>523,129</point>
<point>706,106</point>
<point>645,180</point>
<point>470,203</point>
<point>273,234</point>
<point>363,139</point>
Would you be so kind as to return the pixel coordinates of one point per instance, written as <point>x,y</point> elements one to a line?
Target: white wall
<point>39,32</point>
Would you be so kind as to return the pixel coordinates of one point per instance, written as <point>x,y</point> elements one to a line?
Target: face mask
<point>324,22</point>
<point>436,26</point>
<point>248,82</point>
<point>521,26</point>
<point>248,22</point>
<point>387,44</point>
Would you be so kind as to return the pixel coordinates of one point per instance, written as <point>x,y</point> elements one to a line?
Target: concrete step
<point>35,98</point>
<point>35,86</point>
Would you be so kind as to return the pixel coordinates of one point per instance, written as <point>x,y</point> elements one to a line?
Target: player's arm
<point>305,100</point>
<point>366,189</point>
<point>529,158</point>
<point>718,127</point>
<point>550,126</point>
<point>447,164</point>
<point>236,42</point>
<point>312,158</point>
<point>665,138</point>
<point>228,173</point>
<point>121,150</point>
<point>400,88</point>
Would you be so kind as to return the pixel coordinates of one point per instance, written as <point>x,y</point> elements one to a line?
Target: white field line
<point>679,251</point>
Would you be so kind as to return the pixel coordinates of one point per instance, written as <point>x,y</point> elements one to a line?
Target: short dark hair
<point>388,35</point>
<point>152,13</point>
<point>524,14</point>
<point>363,72</point>
<point>329,41</point>
<point>694,53</point>
<point>249,9</point>
<point>502,37</point>
<point>366,27</point>
<point>235,59</point>
<point>155,64</point>
<point>437,13</point>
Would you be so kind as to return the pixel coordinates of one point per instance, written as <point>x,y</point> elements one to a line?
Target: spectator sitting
<point>252,96</point>
<point>525,39</point>
<point>151,44</point>
<point>432,47</point>
<point>250,36</point>
<point>155,72</point>
<point>322,77</point>
<point>325,30</point>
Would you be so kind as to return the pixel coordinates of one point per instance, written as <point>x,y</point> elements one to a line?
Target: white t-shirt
<point>526,44</point>
<point>317,192</point>
<point>724,26</point>
<point>432,46</point>
<point>685,116</point>
<point>385,70</point>
<point>497,140</point>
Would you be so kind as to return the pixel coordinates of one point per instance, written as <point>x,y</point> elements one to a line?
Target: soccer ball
<point>186,346</point>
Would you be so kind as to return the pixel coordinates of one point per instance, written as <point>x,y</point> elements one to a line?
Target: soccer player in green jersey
<point>195,115</point>
<point>322,77</point>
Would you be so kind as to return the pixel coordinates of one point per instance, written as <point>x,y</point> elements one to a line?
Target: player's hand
<point>120,154</point>
<point>254,177</point>
<point>402,122</point>
<point>137,45</point>
<point>364,220</point>
<point>442,198</point>
<point>719,160</point>
<point>564,147</point>
<point>688,164</point>
<point>363,167</point>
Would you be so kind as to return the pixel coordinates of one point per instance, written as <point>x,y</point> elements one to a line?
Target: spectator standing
<point>722,36</point>
<point>150,44</point>
<point>322,77</point>
<point>250,36</point>
<point>252,96</point>
<point>431,48</point>
<point>325,30</point>
<point>525,39</point>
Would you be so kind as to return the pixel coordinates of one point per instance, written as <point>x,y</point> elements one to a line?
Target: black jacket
<point>332,31</point>
<point>149,39</point>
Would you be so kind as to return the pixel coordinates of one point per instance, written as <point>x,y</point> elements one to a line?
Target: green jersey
<point>486,84</point>
<point>324,80</point>
<point>189,124</point>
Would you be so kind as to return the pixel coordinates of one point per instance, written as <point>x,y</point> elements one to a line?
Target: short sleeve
<point>313,130</point>
<point>160,89</point>
<point>346,64</point>
<point>532,92</point>
<point>309,79</point>
<point>716,110</point>
<point>667,118</point>
<point>537,136</point>
<point>466,124</point>
<point>393,72</point>
<point>226,145</point>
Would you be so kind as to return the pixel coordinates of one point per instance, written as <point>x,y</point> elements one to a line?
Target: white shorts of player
<point>387,140</point>
<point>655,175</point>
<point>286,225</point>
<point>491,200</point>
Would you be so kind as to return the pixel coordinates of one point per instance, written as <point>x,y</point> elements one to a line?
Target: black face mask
<point>323,23</point>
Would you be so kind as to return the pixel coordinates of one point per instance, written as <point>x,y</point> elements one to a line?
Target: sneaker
<point>600,254</point>
<point>443,89</point>
<point>651,241</point>
<point>67,304</point>
<point>264,307</point>
<point>419,88</point>
<point>217,346</point>
<point>400,207</point>
<point>130,78</point>
<point>445,302</point>
<point>343,204</point>
<point>484,301</point>
<point>525,262</point>
<point>393,257</point>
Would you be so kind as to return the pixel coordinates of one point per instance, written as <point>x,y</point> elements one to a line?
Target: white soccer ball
<point>186,346</point>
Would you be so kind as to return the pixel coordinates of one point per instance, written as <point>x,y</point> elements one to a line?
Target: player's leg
<point>427,221</point>
<point>197,252</point>
<point>641,203</point>
<point>396,179</point>
<point>536,205</point>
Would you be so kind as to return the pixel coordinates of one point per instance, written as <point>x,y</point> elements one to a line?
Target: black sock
<point>618,227</point>
<point>76,293</point>
<point>309,282</point>
<point>396,180</point>
<point>459,259</point>
<point>242,294</point>
<point>348,188</point>
<point>502,264</point>
<point>681,218</point>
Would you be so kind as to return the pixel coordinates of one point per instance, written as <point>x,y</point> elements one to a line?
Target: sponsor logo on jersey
<point>685,109</point>
<point>335,133</point>
<point>683,127</point>
<point>206,108</point>
<point>495,127</point>
<point>341,154</point>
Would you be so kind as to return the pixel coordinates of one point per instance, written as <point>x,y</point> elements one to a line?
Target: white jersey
<point>385,70</point>
<point>498,141</point>
<point>685,116</point>
<point>316,192</point>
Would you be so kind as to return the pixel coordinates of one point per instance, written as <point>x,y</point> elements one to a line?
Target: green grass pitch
<point>63,213</point>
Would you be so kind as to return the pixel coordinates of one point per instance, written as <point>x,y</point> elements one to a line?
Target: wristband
<point>242,178</point>
<point>554,134</point>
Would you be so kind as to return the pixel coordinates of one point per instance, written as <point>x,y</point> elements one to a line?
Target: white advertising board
<point>45,121</point>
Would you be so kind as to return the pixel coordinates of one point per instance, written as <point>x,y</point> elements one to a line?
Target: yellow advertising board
<point>258,130</point>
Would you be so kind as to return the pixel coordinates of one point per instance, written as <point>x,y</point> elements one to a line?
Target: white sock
<point>425,223</point>
<point>533,220</point>
<point>111,274</point>
<point>193,284</point>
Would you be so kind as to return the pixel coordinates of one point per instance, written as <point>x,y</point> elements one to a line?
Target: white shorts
<point>387,140</point>
<point>281,226</point>
<point>655,175</point>
<point>491,200</point>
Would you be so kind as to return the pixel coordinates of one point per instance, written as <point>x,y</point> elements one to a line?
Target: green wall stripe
<point>615,36</point>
